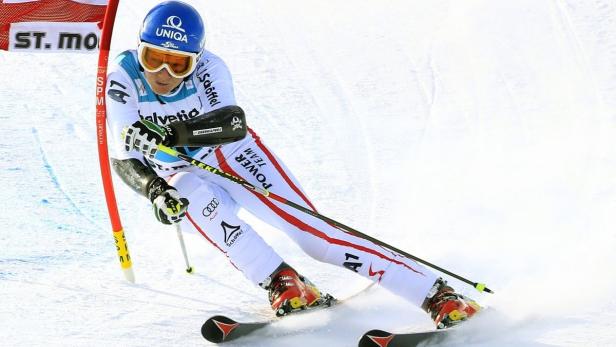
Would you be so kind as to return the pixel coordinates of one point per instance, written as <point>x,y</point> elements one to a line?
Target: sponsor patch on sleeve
<point>207,131</point>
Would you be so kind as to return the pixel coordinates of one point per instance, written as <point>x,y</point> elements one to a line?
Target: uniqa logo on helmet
<point>172,30</point>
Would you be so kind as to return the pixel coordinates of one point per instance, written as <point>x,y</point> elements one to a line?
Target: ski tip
<point>217,328</point>
<point>375,338</point>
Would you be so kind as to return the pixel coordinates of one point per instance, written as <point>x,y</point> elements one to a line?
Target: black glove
<point>167,204</point>
<point>145,136</point>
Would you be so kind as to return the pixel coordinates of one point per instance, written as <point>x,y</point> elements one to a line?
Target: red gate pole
<point>101,132</point>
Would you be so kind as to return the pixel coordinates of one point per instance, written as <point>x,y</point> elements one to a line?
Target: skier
<point>172,91</point>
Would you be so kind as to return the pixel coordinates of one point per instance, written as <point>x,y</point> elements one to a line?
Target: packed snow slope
<point>478,134</point>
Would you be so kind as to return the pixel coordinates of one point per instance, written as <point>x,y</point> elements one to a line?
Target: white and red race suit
<point>214,200</point>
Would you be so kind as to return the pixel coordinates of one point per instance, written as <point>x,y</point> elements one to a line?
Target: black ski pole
<point>479,286</point>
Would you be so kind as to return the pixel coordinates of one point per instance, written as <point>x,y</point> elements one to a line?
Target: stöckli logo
<point>172,30</point>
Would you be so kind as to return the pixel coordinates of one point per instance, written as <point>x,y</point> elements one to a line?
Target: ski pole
<point>189,268</point>
<point>481,287</point>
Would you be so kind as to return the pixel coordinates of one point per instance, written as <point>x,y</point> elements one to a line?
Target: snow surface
<point>477,134</point>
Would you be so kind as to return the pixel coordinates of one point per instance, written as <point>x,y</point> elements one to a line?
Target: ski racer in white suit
<point>171,91</point>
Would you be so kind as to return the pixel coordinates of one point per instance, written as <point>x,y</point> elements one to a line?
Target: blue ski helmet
<point>174,25</point>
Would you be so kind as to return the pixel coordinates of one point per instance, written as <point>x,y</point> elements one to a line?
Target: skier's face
<point>162,82</point>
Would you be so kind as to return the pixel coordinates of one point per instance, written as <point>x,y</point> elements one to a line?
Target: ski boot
<point>290,291</point>
<point>446,307</point>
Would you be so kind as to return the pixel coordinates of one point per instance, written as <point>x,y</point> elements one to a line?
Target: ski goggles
<point>153,59</point>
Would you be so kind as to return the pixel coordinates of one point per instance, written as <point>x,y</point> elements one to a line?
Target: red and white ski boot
<point>289,291</point>
<point>448,308</point>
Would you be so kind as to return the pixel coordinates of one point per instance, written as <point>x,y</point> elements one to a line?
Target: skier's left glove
<point>167,204</point>
<point>145,136</point>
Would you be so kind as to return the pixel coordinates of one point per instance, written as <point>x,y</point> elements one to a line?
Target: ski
<point>468,330</point>
<point>220,328</point>
<point>381,338</point>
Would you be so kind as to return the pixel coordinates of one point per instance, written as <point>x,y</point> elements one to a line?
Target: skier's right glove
<point>167,204</point>
<point>145,136</point>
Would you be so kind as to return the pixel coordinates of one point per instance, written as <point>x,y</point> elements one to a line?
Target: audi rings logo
<point>174,22</point>
<point>210,208</point>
